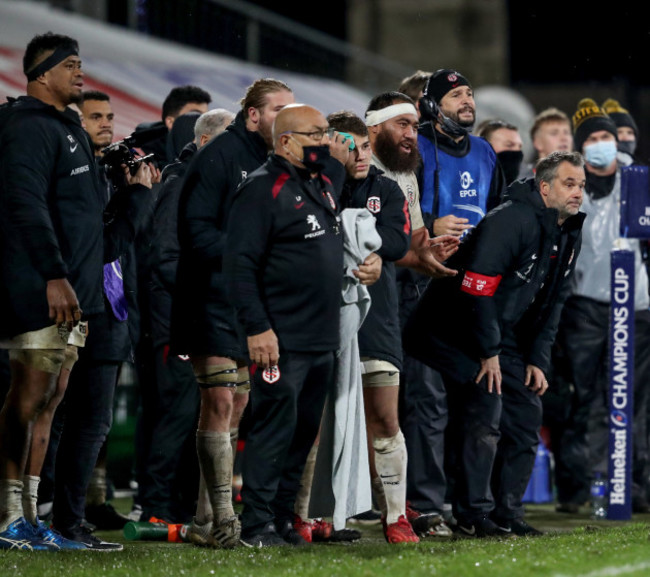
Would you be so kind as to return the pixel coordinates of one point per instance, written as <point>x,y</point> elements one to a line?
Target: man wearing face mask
<point>627,131</point>
<point>583,331</point>
<point>459,179</point>
<point>506,142</point>
<point>283,267</point>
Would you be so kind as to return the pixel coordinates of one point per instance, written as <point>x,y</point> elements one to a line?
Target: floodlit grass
<point>573,546</point>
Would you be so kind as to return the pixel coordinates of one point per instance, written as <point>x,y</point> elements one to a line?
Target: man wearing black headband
<point>52,251</point>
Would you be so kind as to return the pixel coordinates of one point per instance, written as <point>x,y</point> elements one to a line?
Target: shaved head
<point>296,126</point>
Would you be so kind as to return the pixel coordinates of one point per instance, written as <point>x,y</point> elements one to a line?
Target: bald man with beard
<point>284,271</point>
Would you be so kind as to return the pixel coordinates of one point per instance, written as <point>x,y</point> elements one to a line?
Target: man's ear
<point>544,188</point>
<point>254,115</point>
<point>169,121</point>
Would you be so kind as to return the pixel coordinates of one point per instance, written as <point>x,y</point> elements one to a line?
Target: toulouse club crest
<point>373,204</point>
<point>271,374</point>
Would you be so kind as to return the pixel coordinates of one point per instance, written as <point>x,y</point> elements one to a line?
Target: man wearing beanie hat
<point>583,332</point>
<point>626,130</point>
<point>459,182</point>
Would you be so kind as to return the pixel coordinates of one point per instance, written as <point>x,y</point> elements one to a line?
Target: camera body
<point>120,153</point>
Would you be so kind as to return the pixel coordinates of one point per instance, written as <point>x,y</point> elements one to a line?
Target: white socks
<point>390,462</point>
<point>215,458</point>
<point>29,498</point>
<point>11,502</point>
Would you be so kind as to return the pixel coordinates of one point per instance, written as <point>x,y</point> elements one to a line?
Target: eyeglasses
<point>316,135</point>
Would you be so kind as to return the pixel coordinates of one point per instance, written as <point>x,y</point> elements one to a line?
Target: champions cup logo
<point>619,418</point>
<point>621,378</point>
<point>271,374</point>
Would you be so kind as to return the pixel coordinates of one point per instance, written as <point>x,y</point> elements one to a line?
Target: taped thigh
<point>71,356</point>
<point>46,360</point>
<point>378,373</point>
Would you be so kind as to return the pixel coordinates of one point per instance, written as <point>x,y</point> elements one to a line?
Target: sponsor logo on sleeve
<point>480,285</point>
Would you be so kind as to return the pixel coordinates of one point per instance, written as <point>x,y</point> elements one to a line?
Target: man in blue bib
<point>458,180</point>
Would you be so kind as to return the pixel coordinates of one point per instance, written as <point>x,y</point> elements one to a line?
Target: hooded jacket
<point>201,310</point>
<point>514,276</point>
<point>51,214</point>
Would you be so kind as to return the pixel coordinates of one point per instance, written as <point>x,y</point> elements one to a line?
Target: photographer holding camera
<point>53,247</point>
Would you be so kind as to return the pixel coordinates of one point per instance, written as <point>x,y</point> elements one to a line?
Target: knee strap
<point>243,380</point>
<point>224,375</point>
<point>388,444</point>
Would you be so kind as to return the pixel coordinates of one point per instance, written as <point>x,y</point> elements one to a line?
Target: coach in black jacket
<point>491,329</point>
<point>284,272</point>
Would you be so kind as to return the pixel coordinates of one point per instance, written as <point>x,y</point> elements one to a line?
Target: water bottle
<point>598,497</point>
<point>156,531</point>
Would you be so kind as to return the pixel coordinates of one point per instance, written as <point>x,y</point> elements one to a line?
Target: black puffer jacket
<point>51,214</point>
<point>503,290</point>
<point>201,312</point>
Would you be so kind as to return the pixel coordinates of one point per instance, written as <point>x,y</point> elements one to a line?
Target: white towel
<point>341,486</point>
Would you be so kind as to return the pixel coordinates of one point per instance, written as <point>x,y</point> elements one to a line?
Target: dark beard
<point>392,157</point>
<point>467,125</point>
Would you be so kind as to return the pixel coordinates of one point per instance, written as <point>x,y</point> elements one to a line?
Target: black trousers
<point>285,418</point>
<point>424,423</point>
<point>172,441</point>
<point>81,424</point>
<point>521,420</point>
<point>473,435</point>
<point>493,442</point>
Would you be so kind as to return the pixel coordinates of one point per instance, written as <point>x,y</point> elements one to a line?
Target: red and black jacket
<point>508,288</point>
<point>283,258</point>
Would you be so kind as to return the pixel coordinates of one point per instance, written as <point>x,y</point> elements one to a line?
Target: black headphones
<point>429,108</point>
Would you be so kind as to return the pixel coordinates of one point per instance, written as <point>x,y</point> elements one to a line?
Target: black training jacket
<point>200,306</point>
<point>51,214</point>
<point>284,255</point>
<point>165,247</point>
<point>379,335</point>
<point>503,266</point>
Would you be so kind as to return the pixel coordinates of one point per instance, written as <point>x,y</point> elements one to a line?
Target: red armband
<point>479,284</point>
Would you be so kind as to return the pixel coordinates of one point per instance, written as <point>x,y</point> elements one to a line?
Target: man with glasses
<point>284,270</point>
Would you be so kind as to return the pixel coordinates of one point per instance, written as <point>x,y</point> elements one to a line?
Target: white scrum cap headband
<point>374,117</point>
